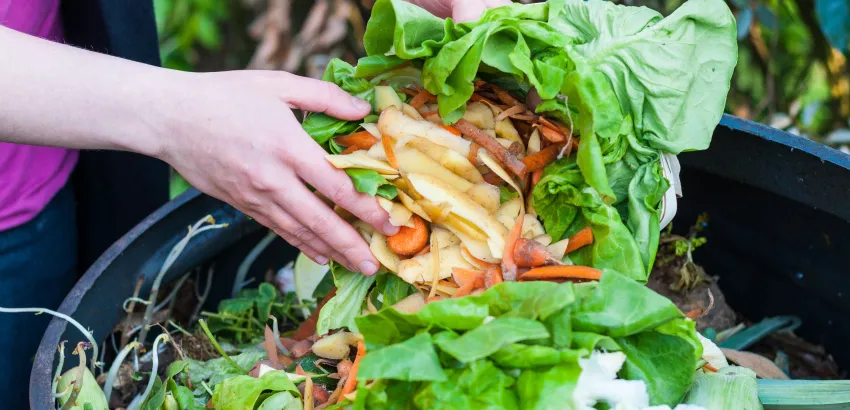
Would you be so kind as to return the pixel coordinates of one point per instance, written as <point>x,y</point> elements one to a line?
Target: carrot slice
<point>563,272</point>
<point>473,154</point>
<point>409,241</point>
<point>387,142</point>
<point>493,179</point>
<point>464,290</point>
<point>351,383</point>
<point>542,158</point>
<point>581,239</point>
<point>509,267</point>
<point>420,99</point>
<point>308,327</point>
<point>447,284</point>
<point>452,130</point>
<point>530,254</point>
<point>490,144</point>
<point>493,277</point>
<point>361,140</point>
<point>710,368</point>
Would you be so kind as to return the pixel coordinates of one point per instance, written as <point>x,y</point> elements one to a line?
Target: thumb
<point>312,95</point>
<point>467,11</point>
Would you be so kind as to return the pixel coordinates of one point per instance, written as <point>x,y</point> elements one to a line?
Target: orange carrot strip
<point>552,135</point>
<point>542,158</point>
<point>420,99</point>
<point>447,284</point>
<point>429,114</point>
<point>493,277</point>
<point>361,140</point>
<point>452,130</point>
<point>581,239</point>
<point>505,96</point>
<point>530,254</point>
<point>492,146</point>
<point>463,276</point>
<point>694,314</point>
<point>566,272</point>
<point>524,117</point>
<point>464,290</point>
<point>710,368</point>
<point>270,345</point>
<point>554,125</point>
<point>493,179</point>
<point>509,267</point>
<point>351,383</point>
<point>535,177</point>
<point>473,154</point>
<point>350,150</point>
<point>485,100</point>
<point>409,241</point>
<point>387,142</point>
<point>517,109</point>
<point>308,327</point>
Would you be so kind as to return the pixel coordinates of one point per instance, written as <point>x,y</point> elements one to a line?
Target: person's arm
<point>231,135</point>
<point>459,10</point>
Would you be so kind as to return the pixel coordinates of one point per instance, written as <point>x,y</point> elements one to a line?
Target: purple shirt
<point>31,176</point>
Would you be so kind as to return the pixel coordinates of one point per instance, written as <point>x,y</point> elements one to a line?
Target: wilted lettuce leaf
<point>242,392</point>
<point>620,307</point>
<point>340,311</point>
<point>412,360</point>
<point>488,338</point>
<point>481,385</point>
<point>522,356</point>
<point>370,182</point>
<point>652,354</point>
<point>548,389</point>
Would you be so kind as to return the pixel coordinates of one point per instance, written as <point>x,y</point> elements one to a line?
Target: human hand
<point>236,138</point>
<point>459,10</point>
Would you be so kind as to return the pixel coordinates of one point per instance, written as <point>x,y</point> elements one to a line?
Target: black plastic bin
<point>778,237</point>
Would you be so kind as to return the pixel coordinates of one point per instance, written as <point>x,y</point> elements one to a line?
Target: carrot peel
<point>351,383</point>
<point>530,254</point>
<point>387,142</point>
<point>360,140</point>
<point>580,240</point>
<point>509,267</point>
<point>564,272</point>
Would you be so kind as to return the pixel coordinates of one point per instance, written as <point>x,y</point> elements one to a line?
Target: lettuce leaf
<point>412,360</point>
<point>370,182</point>
<point>346,305</point>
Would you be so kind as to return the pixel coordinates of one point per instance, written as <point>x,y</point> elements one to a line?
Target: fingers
<point>319,220</point>
<point>312,95</point>
<point>466,10</point>
<point>336,185</point>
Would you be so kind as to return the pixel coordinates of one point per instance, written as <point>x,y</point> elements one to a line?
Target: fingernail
<point>390,229</point>
<point>368,268</point>
<point>321,260</point>
<point>360,104</point>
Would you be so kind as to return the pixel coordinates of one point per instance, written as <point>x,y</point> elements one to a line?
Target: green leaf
<point>488,338</point>
<point>323,127</point>
<point>345,306</point>
<point>393,288</point>
<point>665,363</point>
<point>548,389</point>
<point>506,194</point>
<point>521,356</point>
<point>208,31</point>
<point>371,66</point>
<point>176,367</point>
<point>370,182</point>
<point>281,401</point>
<point>620,306</point>
<point>214,371</point>
<point>156,396</point>
<point>242,392</point>
<point>412,360</point>
<point>481,385</point>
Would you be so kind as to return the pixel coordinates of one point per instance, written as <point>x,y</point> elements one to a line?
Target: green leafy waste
<point>634,85</point>
<point>524,345</point>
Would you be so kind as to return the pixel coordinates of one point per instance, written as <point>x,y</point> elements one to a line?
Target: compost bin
<point>778,238</point>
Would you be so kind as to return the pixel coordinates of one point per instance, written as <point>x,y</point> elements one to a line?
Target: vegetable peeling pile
<point>530,161</point>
